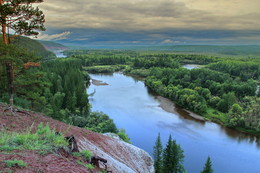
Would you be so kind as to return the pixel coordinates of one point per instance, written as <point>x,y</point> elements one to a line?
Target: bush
<point>122,134</point>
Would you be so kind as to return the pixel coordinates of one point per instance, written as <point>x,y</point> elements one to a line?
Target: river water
<point>128,102</point>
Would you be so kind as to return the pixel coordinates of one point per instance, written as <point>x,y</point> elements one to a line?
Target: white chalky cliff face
<point>122,157</point>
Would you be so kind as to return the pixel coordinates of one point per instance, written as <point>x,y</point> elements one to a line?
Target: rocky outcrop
<point>122,157</point>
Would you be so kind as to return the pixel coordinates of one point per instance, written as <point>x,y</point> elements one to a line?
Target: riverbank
<point>169,106</point>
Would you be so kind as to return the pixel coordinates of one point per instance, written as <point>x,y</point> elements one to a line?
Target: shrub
<point>87,154</point>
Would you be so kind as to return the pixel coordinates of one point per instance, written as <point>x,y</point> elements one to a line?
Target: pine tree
<point>173,157</point>
<point>167,157</point>
<point>207,168</point>
<point>24,19</point>
<point>157,154</point>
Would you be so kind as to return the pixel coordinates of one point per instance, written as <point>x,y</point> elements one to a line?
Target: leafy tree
<point>208,167</point>
<point>157,154</point>
<point>235,118</point>
<point>24,19</point>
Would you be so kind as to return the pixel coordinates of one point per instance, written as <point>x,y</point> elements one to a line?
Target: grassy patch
<point>14,163</point>
<point>87,154</point>
<point>43,139</point>
<point>215,115</point>
<point>88,165</point>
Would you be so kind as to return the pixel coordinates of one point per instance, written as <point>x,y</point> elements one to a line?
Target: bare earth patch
<point>169,106</point>
<point>98,82</point>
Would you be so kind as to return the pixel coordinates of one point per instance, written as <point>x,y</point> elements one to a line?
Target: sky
<point>151,22</point>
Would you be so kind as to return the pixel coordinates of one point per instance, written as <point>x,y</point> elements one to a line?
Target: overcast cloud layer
<point>153,20</point>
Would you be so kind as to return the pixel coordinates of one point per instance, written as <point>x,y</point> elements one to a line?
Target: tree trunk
<point>9,70</point>
<point>9,66</point>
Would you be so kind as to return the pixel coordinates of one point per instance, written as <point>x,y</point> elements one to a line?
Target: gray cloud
<point>153,21</point>
<point>147,14</point>
<point>59,36</point>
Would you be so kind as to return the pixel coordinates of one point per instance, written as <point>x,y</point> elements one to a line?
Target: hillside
<point>120,156</point>
<point>34,46</point>
<point>52,46</point>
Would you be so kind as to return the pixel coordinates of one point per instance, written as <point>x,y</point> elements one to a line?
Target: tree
<point>167,156</point>
<point>173,157</point>
<point>157,154</point>
<point>23,19</point>
<point>207,168</point>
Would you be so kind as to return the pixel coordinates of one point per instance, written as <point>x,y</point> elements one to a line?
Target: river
<point>132,107</point>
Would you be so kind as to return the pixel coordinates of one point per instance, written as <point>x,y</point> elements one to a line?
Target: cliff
<point>121,157</point>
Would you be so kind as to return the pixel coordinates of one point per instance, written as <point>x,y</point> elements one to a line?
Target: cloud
<point>151,21</point>
<point>137,15</point>
<point>60,36</point>
<point>167,41</point>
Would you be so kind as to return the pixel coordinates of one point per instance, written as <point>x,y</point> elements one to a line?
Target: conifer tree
<point>207,168</point>
<point>157,154</point>
<point>167,157</point>
<point>173,157</point>
<point>23,19</point>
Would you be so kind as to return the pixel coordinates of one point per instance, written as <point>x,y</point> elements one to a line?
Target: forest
<point>55,87</point>
<point>224,90</point>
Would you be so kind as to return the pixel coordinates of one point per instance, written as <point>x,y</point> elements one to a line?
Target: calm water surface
<point>133,108</point>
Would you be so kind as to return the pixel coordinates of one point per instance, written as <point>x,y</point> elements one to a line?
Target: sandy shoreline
<point>169,106</point>
<point>98,82</point>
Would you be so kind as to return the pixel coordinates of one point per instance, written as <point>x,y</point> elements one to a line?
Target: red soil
<point>25,120</point>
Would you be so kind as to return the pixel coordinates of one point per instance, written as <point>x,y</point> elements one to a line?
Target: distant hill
<point>52,46</point>
<point>230,50</point>
<point>34,46</point>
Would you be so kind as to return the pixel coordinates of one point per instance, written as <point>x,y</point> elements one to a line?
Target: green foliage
<point>88,166</point>
<point>157,155</point>
<point>101,123</point>
<point>122,134</point>
<point>14,163</point>
<point>104,68</point>
<point>77,154</point>
<point>138,72</point>
<point>173,157</point>
<point>87,154</point>
<point>207,168</point>
<point>43,139</point>
<point>243,70</point>
<point>33,46</point>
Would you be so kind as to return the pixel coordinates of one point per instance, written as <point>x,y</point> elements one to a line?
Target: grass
<point>14,163</point>
<point>43,139</point>
<point>88,165</point>
<point>87,154</point>
<point>215,115</point>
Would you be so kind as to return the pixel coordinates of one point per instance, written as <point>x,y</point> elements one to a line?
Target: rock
<point>122,157</point>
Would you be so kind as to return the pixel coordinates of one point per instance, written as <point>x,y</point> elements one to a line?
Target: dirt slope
<point>121,156</point>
